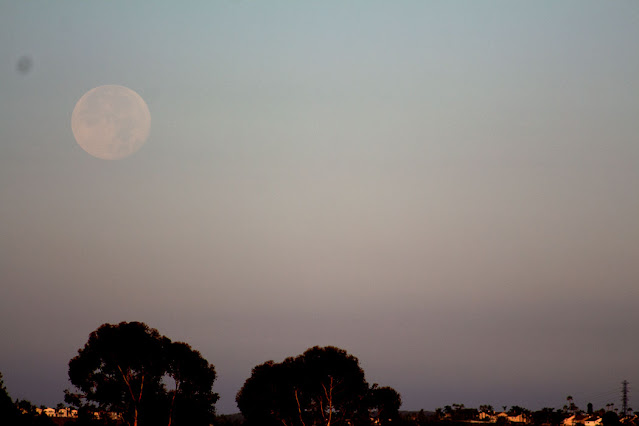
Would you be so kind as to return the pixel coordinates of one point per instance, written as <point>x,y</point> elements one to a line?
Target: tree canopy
<point>7,408</point>
<point>322,386</point>
<point>132,371</point>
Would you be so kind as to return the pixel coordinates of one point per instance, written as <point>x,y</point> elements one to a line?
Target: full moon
<point>111,122</point>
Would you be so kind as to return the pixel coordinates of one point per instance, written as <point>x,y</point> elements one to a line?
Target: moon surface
<point>111,122</point>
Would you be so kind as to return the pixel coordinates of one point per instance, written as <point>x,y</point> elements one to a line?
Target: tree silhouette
<point>385,401</point>
<point>610,418</point>
<point>8,409</point>
<point>570,406</point>
<point>486,408</point>
<point>124,368</point>
<point>193,379</point>
<point>322,386</point>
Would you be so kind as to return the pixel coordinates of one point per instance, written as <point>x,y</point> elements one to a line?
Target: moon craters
<point>111,122</point>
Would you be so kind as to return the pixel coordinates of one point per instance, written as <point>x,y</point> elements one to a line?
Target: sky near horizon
<point>447,190</point>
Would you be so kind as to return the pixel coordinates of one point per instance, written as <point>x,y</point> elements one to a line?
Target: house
<point>493,418</point>
<point>593,421</point>
<point>519,418</point>
<point>61,412</point>
<point>487,417</point>
<point>575,419</point>
<point>49,412</point>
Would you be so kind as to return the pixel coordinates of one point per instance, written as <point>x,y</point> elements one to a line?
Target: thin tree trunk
<point>135,420</point>
<point>136,401</point>
<point>330,404</point>
<point>177,387</point>
<point>299,408</point>
<point>329,401</point>
<point>171,409</point>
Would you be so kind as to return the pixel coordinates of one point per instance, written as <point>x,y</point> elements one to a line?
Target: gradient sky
<point>447,190</point>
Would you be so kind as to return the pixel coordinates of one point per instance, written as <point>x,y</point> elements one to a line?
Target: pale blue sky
<point>447,190</point>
